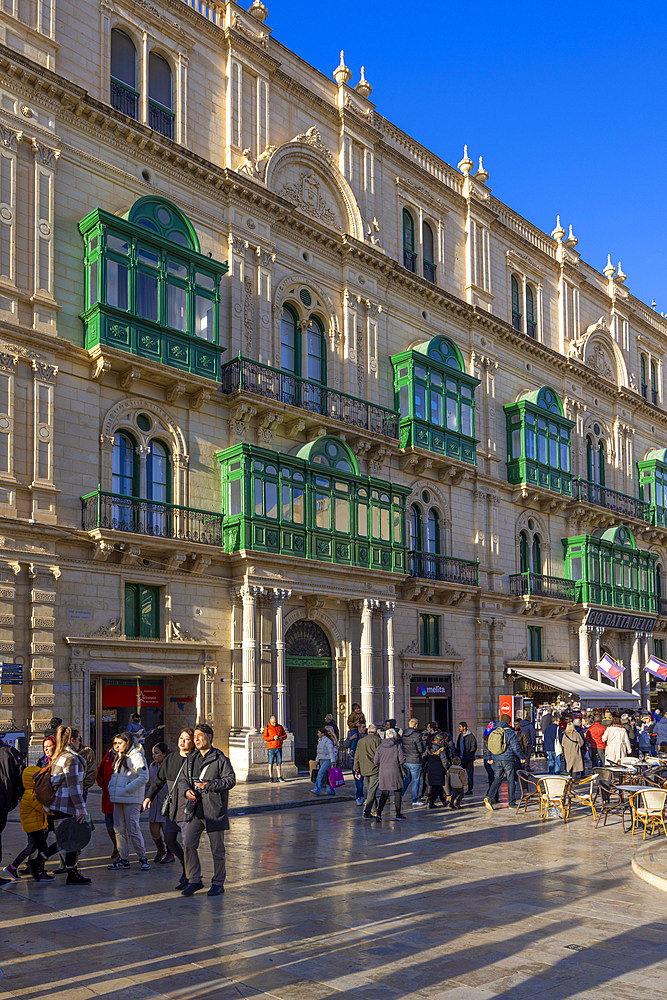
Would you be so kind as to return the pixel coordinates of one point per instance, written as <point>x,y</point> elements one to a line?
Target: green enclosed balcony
<point>149,290</point>
<point>436,400</point>
<point>538,442</point>
<point>608,569</point>
<point>653,486</point>
<point>312,505</point>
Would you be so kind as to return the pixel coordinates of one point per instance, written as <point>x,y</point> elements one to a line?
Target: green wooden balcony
<point>148,517</point>
<point>611,596</point>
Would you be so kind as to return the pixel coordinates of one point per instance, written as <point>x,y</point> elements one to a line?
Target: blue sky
<point>567,104</point>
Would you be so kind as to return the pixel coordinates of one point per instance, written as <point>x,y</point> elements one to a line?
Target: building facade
<point>293,413</point>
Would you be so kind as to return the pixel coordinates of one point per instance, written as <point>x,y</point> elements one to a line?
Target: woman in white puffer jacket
<point>126,791</point>
<point>618,743</point>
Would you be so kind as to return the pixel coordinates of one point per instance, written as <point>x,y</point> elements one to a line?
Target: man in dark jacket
<point>552,734</point>
<point>11,787</point>
<point>466,748</point>
<point>413,748</point>
<point>205,782</point>
<point>503,761</point>
<point>365,766</point>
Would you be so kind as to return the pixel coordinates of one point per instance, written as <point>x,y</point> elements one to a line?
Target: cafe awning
<point>587,690</point>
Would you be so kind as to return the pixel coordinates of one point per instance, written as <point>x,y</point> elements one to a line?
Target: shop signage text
<point>431,689</point>
<point>619,620</point>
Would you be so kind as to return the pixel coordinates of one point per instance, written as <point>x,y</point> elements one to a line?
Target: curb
<point>645,873</point>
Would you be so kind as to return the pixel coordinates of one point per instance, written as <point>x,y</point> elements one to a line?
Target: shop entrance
<point>309,678</point>
<point>113,702</point>
<point>431,701</point>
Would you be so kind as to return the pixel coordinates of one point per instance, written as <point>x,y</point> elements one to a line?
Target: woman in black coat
<point>436,769</point>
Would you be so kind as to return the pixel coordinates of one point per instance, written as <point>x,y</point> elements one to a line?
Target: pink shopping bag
<point>335,776</point>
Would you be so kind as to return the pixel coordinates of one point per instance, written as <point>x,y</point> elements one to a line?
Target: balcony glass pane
<point>342,515</point>
<point>322,517</point>
<point>298,506</point>
<point>117,284</point>
<point>147,287</point>
<point>177,307</point>
<point>271,500</point>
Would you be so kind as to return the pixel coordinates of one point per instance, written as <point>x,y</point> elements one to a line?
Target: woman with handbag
<point>172,807</point>
<point>126,788</point>
<point>67,771</point>
<point>156,820</point>
<point>326,757</point>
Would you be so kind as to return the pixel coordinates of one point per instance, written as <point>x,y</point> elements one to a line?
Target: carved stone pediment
<point>598,350</point>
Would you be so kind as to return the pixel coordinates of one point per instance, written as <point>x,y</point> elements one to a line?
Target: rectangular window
<point>204,318</point>
<point>177,307</point>
<point>142,611</point>
<point>234,497</point>
<point>420,401</point>
<point>147,285</point>
<point>429,635</point>
<point>658,648</point>
<point>404,400</point>
<point>322,516</point>
<point>93,294</point>
<point>342,514</point>
<point>535,642</point>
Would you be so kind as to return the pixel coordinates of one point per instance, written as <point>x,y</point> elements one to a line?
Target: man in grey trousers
<point>365,765</point>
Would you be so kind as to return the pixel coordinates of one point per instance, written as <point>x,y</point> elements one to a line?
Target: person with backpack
<point>10,792</point>
<point>63,780</point>
<point>34,824</point>
<point>503,752</point>
<point>126,790</point>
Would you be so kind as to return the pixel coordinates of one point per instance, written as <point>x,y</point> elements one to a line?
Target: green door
<point>319,704</point>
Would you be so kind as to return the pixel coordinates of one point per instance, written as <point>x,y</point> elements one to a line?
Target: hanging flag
<point>609,668</point>
<point>657,667</point>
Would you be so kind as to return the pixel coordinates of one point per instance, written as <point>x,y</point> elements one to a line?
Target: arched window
<point>416,543</point>
<point>644,387</point>
<point>124,96</point>
<point>160,113</point>
<point>428,247</point>
<point>289,334</point>
<point>595,462</point>
<point>524,565</point>
<point>123,475</point>
<point>654,384</point>
<point>409,255</point>
<point>315,352</point>
<point>516,305</point>
<point>531,322</point>
<point>433,532</point>
<point>158,473</point>
<point>536,555</point>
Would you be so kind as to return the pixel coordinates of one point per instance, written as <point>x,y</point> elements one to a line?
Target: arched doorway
<point>309,679</point>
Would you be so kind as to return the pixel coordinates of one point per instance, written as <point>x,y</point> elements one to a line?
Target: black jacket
<point>412,746</point>
<point>469,748</point>
<point>219,776</point>
<point>167,773</point>
<point>11,785</point>
<point>437,765</point>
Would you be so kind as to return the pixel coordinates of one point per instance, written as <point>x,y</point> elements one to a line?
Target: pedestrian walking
<point>169,772</point>
<point>350,744</point>
<point>104,772</point>
<point>389,756</point>
<point>573,744</point>
<point>529,730</point>
<point>436,769</point>
<point>617,742</point>
<point>156,820</point>
<point>456,782</point>
<point>274,736</point>
<point>594,741</point>
<point>326,756</point>
<point>504,752</point>
<point>67,771</point>
<point>10,792</point>
<point>126,791</point>
<point>466,749</point>
<point>553,751</point>
<point>413,748</point>
<point>365,766</point>
<point>32,815</point>
<point>330,723</point>
<point>204,783</point>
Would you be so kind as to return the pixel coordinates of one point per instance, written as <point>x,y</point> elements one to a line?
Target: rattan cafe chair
<point>584,791</point>
<point>648,807</point>
<point>528,788</point>
<point>553,789</point>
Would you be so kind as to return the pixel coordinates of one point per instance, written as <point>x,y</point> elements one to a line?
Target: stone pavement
<point>319,904</point>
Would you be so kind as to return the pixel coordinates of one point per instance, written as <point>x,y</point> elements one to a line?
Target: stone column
<point>279,598</point>
<point>636,663</point>
<point>584,654</point>
<point>366,650</point>
<point>249,597</point>
<point>596,653</point>
<point>388,616</point>
<point>42,648</point>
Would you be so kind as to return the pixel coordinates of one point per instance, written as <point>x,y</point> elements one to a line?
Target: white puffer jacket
<point>128,784</point>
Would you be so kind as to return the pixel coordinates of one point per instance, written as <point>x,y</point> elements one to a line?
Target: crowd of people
<point>184,792</point>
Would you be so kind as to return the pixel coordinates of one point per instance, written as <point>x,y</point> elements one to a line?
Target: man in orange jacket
<point>274,737</point>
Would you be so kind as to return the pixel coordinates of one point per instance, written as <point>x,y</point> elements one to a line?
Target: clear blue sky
<point>566,102</point>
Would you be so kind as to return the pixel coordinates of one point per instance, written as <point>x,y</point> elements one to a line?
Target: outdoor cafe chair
<point>553,789</point>
<point>612,801</point>
<point>528,788</point>
<point>584,791</point>
<point>648,807</point>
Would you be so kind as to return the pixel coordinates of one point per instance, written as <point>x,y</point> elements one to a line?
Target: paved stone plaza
<point>319,904</point>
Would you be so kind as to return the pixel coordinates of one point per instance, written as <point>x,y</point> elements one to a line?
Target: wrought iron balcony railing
<point>161,120</point>
<point>243,375</point>
<point>429,566</point>
<point>124,99</point>
<point>429,271</point>
<point>619,503</point>
<point>538,585</point>
<point>148,517</point>
<point>410,260</point>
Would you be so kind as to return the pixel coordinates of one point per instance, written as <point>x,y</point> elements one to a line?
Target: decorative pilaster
<point>279,598</point>
<point>76,673</point>
<point>584,653</point>
<point>42,648</point>
<point>388,617</point>
<point>366,651</point>
<point>249,597</point>
<point>43,301</point>
<point>7,598</point>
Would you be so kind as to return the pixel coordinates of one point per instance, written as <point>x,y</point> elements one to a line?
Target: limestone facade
<point>300,186</point>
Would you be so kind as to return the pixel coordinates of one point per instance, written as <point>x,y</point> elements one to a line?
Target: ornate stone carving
<point>599,362</point>
<point>128,377</point>
<point>197,399</point>
<point>44,371</point>
<point>260,38</point>
<point>268,426</point>
<point>8,361</point>
<point>45,155</point>
<point>308,198</point>
<point>313,138</point>
<point>102,551</point>
<point>7,647</point>
<point>99,368</point>
<point>10,137</point>
<point>49,623</point>
<point>265,258</point>
<point>412,647</point>
<point>177,631</point>
<point>247,165</point>
<point>43,648</point>
<point>240,418</point>
<point>109,631</point>
<point>237,244</point>
<point>248,312</point>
